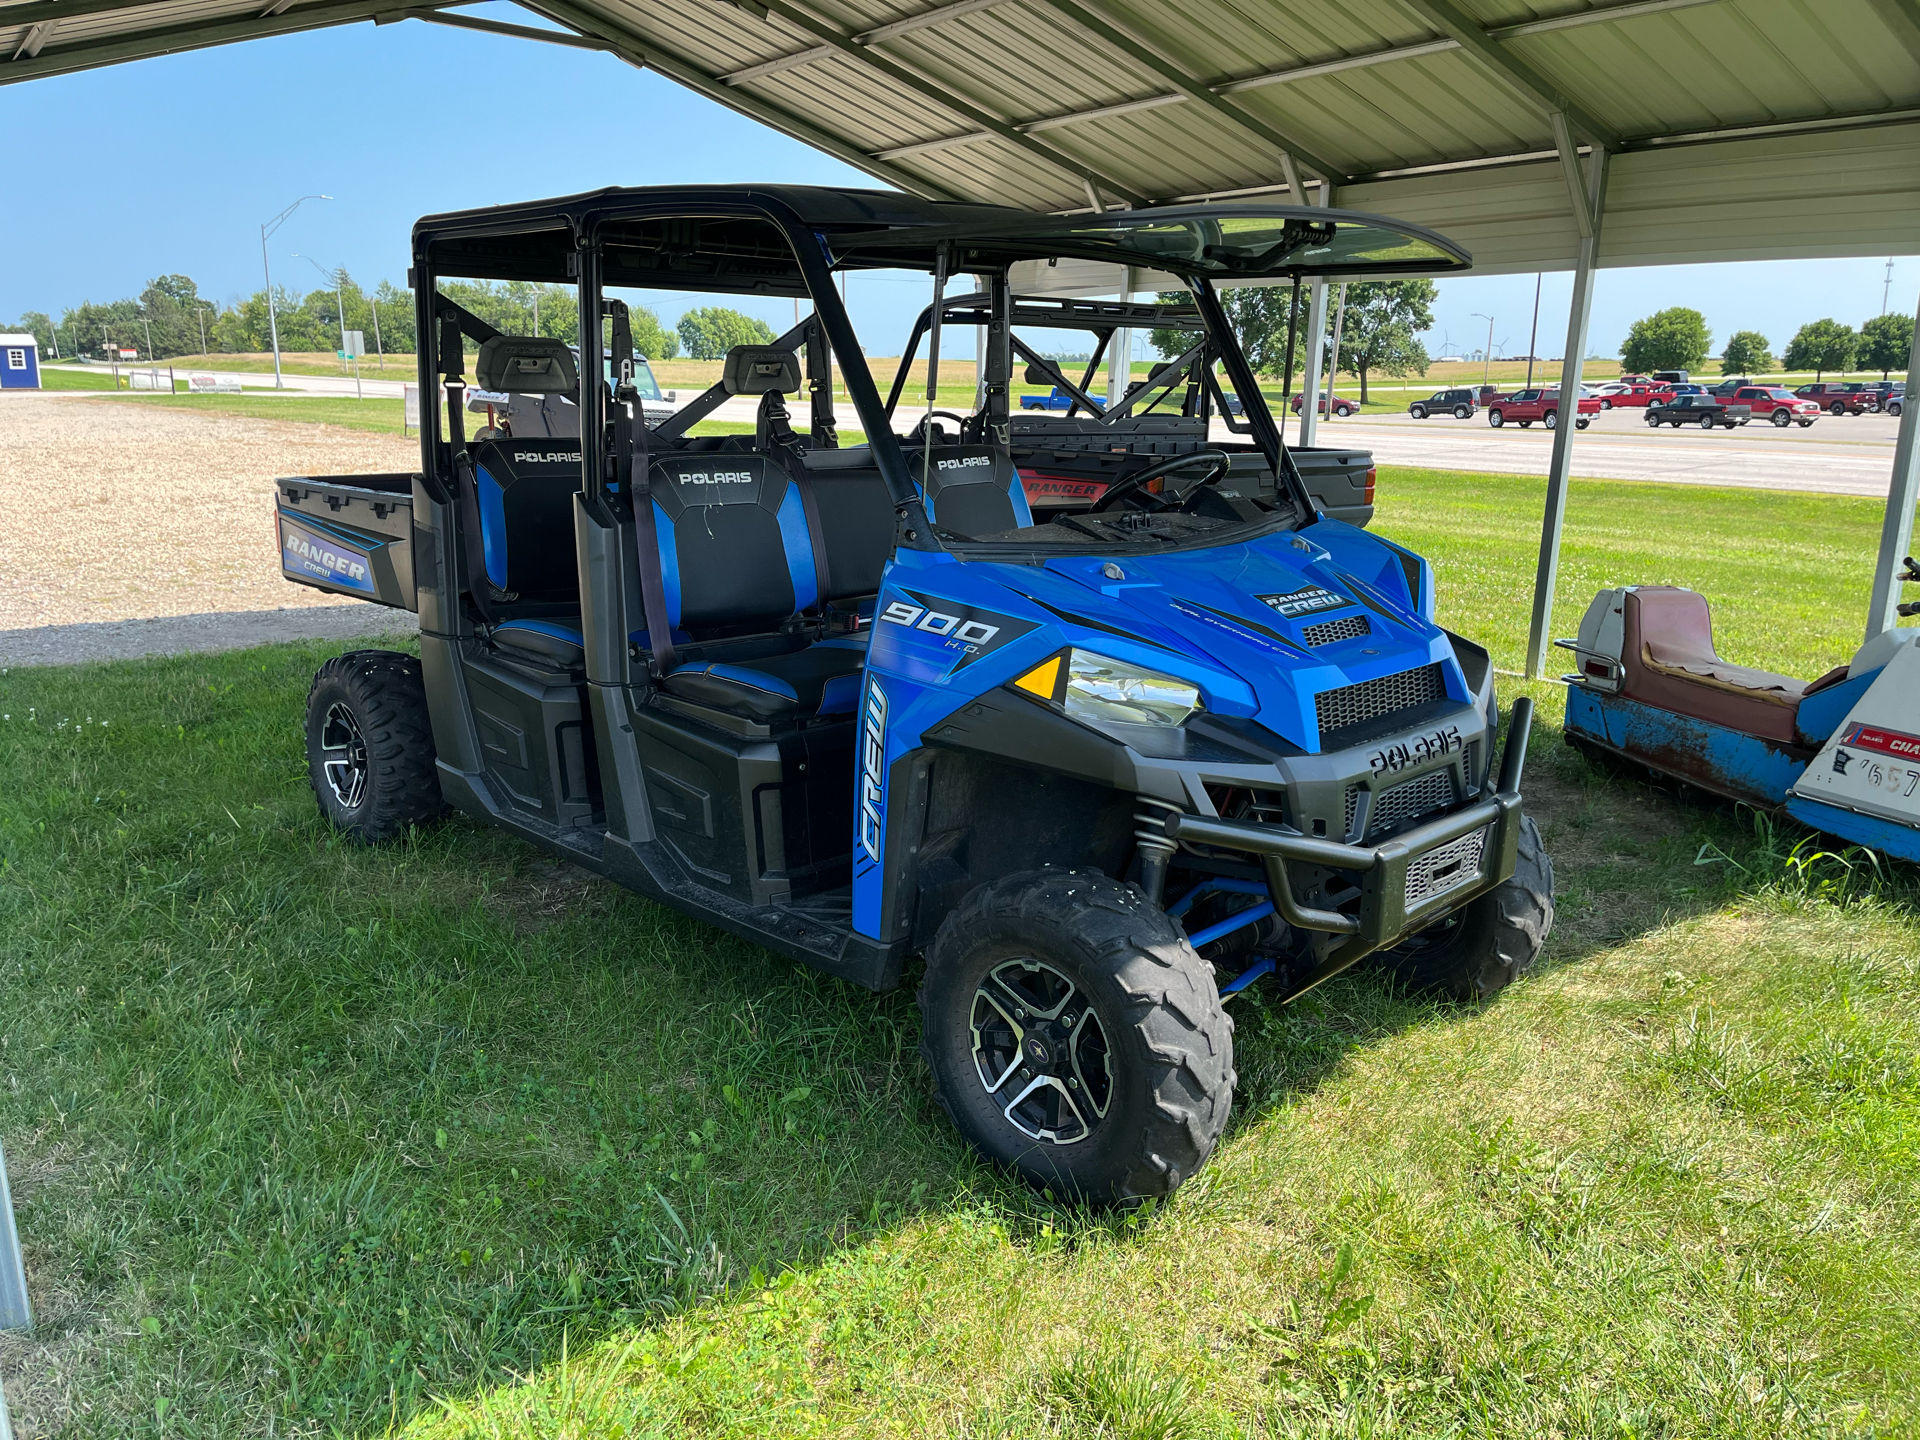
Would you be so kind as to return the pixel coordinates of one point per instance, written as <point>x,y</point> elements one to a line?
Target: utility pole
<point>1533,335</point>
<point>147,325</point>
<point>1887,288</point>
<point>1486,373</point>
<point>338,277</point>
<point>201,311</point>
<point>273,320</point>
<point>381,350</point>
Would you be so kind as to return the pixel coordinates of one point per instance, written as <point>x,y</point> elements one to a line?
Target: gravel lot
<point>116,512</point>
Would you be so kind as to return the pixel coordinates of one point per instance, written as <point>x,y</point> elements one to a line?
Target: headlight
<point>1099,688</point>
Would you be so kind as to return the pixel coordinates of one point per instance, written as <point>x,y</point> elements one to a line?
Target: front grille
<point>1328,632</point>
<point>1353,809</point>
<point>1352,705</point>
<point>1447,867</point>
<point>1409,800</point>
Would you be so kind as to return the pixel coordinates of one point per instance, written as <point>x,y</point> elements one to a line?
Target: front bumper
<point>1406,883</point>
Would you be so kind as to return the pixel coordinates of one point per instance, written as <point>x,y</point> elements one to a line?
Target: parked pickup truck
<point>1776,403</point>
<point>1626,397</point>
<point>1527,406</point>
<point>1068,464</point>
<point>1840,399</point>
<point>1706,411</point>
<point>1057,400</point>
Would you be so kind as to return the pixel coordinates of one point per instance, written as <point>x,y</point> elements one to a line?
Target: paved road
<point>1850,455</point>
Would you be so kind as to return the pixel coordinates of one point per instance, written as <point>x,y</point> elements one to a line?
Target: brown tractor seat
<point>1669,660</point>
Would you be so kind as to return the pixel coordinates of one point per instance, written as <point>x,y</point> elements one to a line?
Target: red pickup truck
<point>1626,396</point>
<point>1778,404</point>
<point>1527,406</point>
<point>1839,398</point>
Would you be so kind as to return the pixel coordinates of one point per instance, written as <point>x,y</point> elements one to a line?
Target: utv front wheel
<point>370,746</point>
<point>1075,1037</point>
<point>1481,949</point>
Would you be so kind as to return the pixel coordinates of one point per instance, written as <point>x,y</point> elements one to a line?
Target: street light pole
<point>201,311</point>
<point>1533,335</point>
<point>1486,371</point>
<point>273,319</point>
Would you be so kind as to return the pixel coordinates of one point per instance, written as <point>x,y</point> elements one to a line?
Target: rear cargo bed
<point>351,534</point>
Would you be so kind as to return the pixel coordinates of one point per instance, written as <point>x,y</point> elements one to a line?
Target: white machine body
<point>1871,762</point>
<point>1602,636</point>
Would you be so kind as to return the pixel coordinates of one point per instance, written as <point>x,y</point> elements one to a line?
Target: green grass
<point>450,1139</point>
<point>373,413</point>
<point>101,379</point>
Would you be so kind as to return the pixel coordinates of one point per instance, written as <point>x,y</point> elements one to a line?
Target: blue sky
<point>171,164</point>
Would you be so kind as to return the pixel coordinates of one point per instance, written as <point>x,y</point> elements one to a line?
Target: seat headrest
<point>761,369</point>
<point>527,365</point>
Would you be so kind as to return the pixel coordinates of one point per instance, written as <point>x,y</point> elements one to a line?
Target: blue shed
<point>19,362</point>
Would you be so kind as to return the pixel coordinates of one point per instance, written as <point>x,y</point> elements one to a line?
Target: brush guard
<point>1406,883</point>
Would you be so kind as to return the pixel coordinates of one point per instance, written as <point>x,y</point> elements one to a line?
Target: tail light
<point>1367,494</point>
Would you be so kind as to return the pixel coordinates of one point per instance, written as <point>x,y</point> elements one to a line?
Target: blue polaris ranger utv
<point>853,702</point>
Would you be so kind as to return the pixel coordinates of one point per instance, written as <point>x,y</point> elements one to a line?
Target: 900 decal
<point>960,628</point>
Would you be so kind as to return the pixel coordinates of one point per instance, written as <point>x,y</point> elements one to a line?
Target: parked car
<point>1342,406</point>
<point>1670,377</point>
<point>1881,390</point>
<point>1778,404</point>
<point>1706,411</point>
<point>1727,387</point>
<point>1896,402</point>
<point>1838,399</point>
<point>1623,397</point>
<point>1458,403</point>
<point>1527,406</point>
<point>1687,390</point>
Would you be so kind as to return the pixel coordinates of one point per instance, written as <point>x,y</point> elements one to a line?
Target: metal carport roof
<point>1576,135</point>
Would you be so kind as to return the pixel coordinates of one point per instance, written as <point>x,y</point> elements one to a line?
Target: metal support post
<point>1896,533</point>
<point>15,1312</point>
<point>1316,334</point>
<point>1548,573</point>
<point>1120,348</point>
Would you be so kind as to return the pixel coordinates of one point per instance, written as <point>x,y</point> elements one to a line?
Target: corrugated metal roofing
<point>1064,104</point>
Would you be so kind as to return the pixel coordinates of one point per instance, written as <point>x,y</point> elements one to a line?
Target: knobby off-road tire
<point>370,751</point>
<point>1484,948</point>
<point>1098,996</point>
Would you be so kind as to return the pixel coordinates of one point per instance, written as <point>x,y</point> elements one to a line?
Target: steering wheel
<point>919,432</point>
<point>1218,462</point>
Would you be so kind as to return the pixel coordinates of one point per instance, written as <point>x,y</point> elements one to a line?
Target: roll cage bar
<point>721,239</point>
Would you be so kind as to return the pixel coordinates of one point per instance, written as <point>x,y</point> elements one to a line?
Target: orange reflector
<point>1041,679</point>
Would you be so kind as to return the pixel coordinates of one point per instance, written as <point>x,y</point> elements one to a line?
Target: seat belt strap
<point>633,466</point>
<point>468,479</point>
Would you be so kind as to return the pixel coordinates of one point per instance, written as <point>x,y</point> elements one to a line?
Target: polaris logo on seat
<point>534,457</point>
<point>718,477</point>
<point>965,462</point>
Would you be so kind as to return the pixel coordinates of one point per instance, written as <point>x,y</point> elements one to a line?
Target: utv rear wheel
<point>1481,949</point>
<point>370,746</point>
<point>1075,1037</point>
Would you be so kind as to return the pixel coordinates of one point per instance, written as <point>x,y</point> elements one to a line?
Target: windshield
<point>643,380</point>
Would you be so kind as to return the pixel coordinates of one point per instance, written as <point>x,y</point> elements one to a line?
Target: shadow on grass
<point>341,1130</point>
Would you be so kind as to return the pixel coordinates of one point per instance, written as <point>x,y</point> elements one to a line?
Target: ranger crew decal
<point>305,554</point>
<point>873,770</point>
<point>1308,601</point>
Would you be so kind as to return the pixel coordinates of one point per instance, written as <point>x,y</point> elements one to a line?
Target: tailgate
<point>351,534</point>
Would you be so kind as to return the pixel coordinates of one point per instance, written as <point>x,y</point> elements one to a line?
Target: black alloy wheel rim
<point>343,756</point>
<point>1041,1052</point>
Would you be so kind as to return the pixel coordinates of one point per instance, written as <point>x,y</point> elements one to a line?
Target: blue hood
<point>1235,619</point>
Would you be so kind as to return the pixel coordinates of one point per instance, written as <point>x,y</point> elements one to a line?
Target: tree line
<point>1379,328</point>
<point>1678,339</point>
<point>170,318</point>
